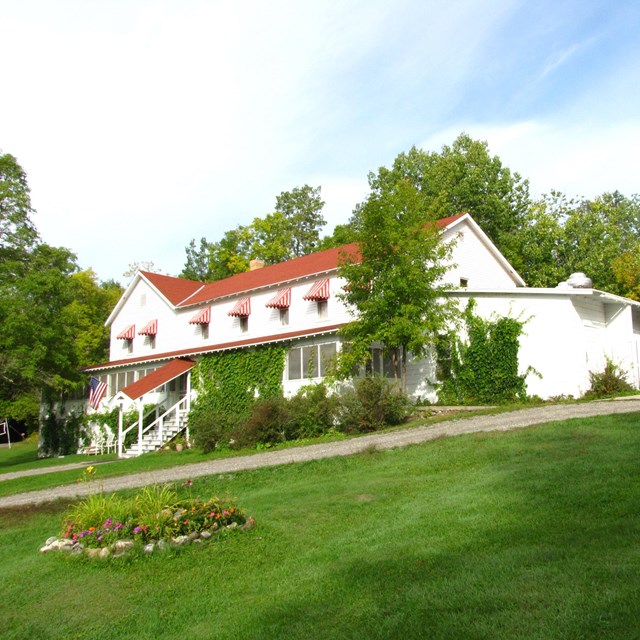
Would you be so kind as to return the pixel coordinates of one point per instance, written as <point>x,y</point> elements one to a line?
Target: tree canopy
<point>395,289</point>
<point>51,313</point>
<point>292,230</point>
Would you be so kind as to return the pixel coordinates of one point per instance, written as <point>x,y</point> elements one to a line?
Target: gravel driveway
<point>380,441</point>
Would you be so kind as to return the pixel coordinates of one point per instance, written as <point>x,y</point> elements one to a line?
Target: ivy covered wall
<point>483,367</point>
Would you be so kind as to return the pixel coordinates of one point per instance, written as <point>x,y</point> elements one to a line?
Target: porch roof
<point>164,374</point>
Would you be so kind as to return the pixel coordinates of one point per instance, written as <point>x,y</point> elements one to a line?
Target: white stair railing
<point>179,410</point>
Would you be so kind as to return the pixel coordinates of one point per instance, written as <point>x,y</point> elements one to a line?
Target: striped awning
<point>128,334</point>
<point>202,317</point>
<point>282,299</point>
<point>149,329</point>
<point>242,308</point>
<point>319,291</point>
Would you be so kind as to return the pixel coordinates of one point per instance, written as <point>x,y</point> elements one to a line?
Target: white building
<point>162,324</point>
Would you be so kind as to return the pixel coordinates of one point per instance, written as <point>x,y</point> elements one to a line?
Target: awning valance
<point>128,334</point>
<point>202,317</point>
<point>319,290</point>
<point>282,299</point>
<point>149,329</point>
<point>242,308</point>
<point>157,378</point>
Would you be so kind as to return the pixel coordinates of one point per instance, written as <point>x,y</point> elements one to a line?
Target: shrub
<point>265,425</point>
<point>210,428</point>
<point>312,412</point>
<point>371,404</point>
<point>610,381</point>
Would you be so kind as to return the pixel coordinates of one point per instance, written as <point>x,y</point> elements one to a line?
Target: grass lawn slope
<point>526,534</point>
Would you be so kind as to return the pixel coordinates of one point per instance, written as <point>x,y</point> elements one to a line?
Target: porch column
<point>188,405</point>
<point>120,430</point>
<point>140,421</point>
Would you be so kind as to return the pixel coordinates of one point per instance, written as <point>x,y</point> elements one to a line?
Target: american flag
<point>97,390</point>
<point>4,427</point>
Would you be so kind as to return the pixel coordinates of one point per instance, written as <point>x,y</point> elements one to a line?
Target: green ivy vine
<point>228,382</point>
<point>483,369</point>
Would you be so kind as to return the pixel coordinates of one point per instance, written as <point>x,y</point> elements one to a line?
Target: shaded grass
<point>527,534</point>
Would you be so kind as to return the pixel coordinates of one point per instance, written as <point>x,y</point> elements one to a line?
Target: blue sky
<point>145,123</point>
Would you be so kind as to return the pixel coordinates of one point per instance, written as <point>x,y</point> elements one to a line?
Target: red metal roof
<point>156,378</point>
<point>308,265</point>
<point>175,290</point>
<point>222,346</point>
<point>182,293</point>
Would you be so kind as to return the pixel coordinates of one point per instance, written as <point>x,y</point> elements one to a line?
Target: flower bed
<point>155,518</point>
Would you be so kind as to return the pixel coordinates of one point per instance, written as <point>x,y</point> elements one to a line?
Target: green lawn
<point>527,534</point>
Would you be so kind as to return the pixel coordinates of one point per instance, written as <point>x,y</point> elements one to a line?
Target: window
<point>150,341</point>
<point>244,324</point>
<point>312,361</point>
<point>381,363</point>
<point>323,309</point>
<point>284,317</point>
<point>204,331</point>
<point>464,282</point>
<point>127,345</point>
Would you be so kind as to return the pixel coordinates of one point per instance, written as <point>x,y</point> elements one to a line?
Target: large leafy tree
<point>51,314</point>
<point>462,178</point>
<point>292,230</point>
<point>394,289</point>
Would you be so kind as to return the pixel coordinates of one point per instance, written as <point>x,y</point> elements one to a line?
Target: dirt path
<point>380,441</point>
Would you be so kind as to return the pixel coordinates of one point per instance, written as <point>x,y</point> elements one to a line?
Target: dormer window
<point>202,318</point>
<point>127,337</point>
<point>282,302</point>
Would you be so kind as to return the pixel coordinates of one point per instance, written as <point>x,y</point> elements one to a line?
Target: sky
<point>142,124</point>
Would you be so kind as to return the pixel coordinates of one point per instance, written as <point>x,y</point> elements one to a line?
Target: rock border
<point>121,547</point>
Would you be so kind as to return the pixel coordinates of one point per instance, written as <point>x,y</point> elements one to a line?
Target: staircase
<point>159,432</point>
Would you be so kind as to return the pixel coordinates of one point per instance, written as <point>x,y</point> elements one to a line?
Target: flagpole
<point>6,421</point>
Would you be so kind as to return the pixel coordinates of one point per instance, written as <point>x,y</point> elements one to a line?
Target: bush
<point>611,381</point>
<point>210,428</point>
<point>265,425</point>
<point>371,404</point>
<point>312,412</point>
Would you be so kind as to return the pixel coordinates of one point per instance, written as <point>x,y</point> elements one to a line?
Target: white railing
<point>180,409</point>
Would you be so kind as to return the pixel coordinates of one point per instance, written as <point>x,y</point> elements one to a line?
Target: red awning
<point>282,299</point>
<point>202,317</point>
<point>242,308</point>
<point>319,291</point>
<point>157,378</point>
<point>149,329</point>
<point>128,334</point>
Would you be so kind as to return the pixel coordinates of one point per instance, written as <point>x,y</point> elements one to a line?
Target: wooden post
<point>140,421</point>
<point>120,430</point>
<point>188,406</point>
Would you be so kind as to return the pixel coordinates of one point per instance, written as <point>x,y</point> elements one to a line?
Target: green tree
<point>292,230</point>
<point>462,178</point>
<point>394,290</point>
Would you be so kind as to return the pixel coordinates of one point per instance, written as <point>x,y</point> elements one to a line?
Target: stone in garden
<point>77,550</point>
<point>249,524</point>
<point>105,552</point>
<point>180,540</point>
<point>233,525</point>
<point>194,535</point>
<point>122,545</point>
<point>149,548</point>
<point>197,541</point>
<point>51,540</point>
<point>91,553</point>
<point>163,544</point>
<point>206,534</point>
<point>46,548</point>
